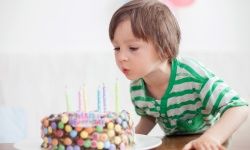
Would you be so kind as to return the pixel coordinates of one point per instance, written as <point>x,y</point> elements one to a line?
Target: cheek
<point>117,62</point>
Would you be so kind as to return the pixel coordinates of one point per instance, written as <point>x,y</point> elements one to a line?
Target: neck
<point>159,78</point>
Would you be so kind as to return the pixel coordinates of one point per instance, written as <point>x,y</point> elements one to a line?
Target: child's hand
<point>204,143</point>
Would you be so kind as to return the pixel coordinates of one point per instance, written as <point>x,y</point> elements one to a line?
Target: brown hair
<point>152,21</point>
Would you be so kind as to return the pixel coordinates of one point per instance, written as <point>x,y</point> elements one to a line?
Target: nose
<point>122,56</point>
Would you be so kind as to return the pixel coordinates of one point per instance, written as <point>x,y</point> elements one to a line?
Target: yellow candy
<point>118,128</point>
<point>68,128</point>
<point>100,145</point>
<point>84,134</point>
<point>110,125</point>
<point>117,140</point>
<point>64,118</point>
<point>111,133</point>
<point>49,130</point>
<point>45,139</point>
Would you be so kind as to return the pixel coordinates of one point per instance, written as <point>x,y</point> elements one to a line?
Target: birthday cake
<point>87,130</point>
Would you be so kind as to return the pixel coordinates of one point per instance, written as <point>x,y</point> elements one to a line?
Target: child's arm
<point>145,125</point>
<point>214,137</point>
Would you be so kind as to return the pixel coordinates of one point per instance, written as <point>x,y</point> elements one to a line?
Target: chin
<point>131,77</point>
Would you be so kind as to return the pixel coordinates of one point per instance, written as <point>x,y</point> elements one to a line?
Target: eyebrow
<point>134,40</point>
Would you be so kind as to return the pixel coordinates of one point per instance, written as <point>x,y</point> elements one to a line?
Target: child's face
<point>135,57</point>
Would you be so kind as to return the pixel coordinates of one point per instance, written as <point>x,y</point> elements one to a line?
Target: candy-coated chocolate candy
<point>87,143</point>
<point>73,133</point>
<point>100,145</point>
<point>69,147</point>
<point>60,125</point>
<point>64,118</point>
<point>99,129</point>
<point>84,134</point>
<point>54,142</point>
<point>79,142</point>
<point>76,147</point>
<point>95,136</point>
<point>50,130</point>
<point>106,144</point>
<point>111,133</point>
<point>72,121</point>
<point>112,147</point>
<point>103,137</point>
<point>45,139</point>
<point>89,130</point>
<point>68,128</point>
<point>118,128</point>
<point>61,147</point>
<point>45,122</point>
<point>49,140</point>
<point>58,133</point>
<point>119,120</point>
<point>124,124</point>
<point>110,125</point>
<point>78,128</point>
<point>93,144</point>
<point>45,130</point>
<point>67,141</point>
<point>53,125</point>
<point>118,140</point>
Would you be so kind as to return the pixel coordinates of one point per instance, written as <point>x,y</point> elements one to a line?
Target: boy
<point>179,94</point>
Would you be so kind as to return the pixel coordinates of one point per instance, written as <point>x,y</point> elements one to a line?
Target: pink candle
<point>79,101</point>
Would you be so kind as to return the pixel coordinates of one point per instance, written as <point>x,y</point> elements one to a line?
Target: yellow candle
<point>117,99</point>
<point>68,105</point>
<point>84,98</point>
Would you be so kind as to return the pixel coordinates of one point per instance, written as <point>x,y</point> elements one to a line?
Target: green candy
<point>87,143</point>
<point>60,125</point>
<point>99,129</point>
<point>61,147</point>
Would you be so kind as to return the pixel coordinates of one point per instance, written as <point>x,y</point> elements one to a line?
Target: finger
<point>221,147</point>
<point>199,146</point>
<point>188,146</point>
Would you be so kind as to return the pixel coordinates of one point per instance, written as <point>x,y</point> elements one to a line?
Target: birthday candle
<point>104,98</point>
<point>67,100</point>
<point>79,100</point>
<point>99,99</point>
<point>84,98</point>
<point>117,101</point>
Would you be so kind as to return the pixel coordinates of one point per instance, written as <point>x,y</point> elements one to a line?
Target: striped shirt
<point>192,102</point>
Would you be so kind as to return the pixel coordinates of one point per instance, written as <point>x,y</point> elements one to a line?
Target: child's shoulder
<point>187,60</point>
<point>193,66</point>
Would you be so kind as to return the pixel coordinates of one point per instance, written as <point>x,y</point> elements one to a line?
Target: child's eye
<point>116,48</point>
<point>133,48</point>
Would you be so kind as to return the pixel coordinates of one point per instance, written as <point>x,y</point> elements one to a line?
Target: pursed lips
<point>125,70</point>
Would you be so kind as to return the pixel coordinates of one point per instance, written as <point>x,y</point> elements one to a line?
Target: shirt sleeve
<point>137,97</point>
<point>139,111</point>
<point>217,96</point>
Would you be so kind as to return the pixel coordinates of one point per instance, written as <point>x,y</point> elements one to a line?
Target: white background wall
<point>47,44</point>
